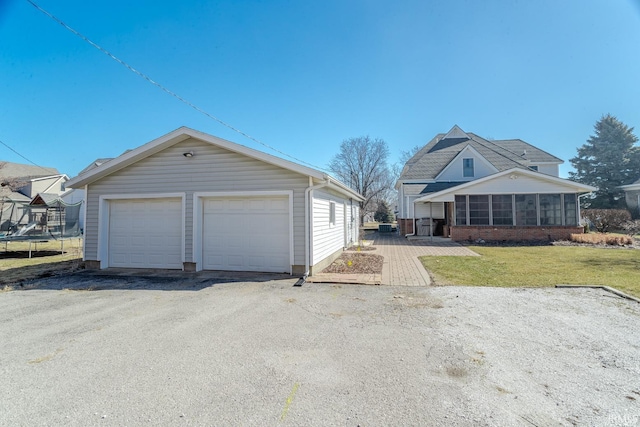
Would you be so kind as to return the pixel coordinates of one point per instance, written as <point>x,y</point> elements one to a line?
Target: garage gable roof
<point>183,133</point>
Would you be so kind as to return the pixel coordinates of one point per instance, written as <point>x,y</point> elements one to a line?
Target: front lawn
<point>536,266</point>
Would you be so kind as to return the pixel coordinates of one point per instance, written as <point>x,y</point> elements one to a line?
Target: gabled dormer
<point>468,165</point>
<point>456,133</point>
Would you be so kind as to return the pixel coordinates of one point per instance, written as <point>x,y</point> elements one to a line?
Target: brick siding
<point>406,226</point>
<point>515,233</point>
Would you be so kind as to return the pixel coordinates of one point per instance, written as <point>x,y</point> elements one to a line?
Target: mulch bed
<point>361,248</point>
<point>356,263</point>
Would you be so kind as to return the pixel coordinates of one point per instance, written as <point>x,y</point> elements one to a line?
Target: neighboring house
<point>19,184</point>
<point>632,197</point>
<point>465,187</point>
<point>30,180</point>
<point>192,201</point>
<point>75,195</point>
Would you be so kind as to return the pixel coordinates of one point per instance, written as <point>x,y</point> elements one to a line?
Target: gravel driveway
<point>268,353</point>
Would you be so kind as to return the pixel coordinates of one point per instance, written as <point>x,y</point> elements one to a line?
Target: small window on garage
<point>332,213</point>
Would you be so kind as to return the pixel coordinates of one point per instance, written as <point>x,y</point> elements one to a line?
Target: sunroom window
<point>461,210</point>
<point>570,209</point>
<point>550,209</point>
<point>478,210</point>
<point>526,209</point>
<point>502,209</point>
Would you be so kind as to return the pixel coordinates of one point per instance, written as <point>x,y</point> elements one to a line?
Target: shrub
<point>604,220</point>
<point>632,228</point>
<point>602,239</point>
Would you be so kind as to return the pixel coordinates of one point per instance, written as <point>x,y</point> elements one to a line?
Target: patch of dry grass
<point>603,239</point>
<point>46,260</point>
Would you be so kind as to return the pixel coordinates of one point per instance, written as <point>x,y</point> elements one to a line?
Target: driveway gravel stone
<point>199,351</point>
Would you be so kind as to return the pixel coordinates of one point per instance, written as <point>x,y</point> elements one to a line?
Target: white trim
<point>184,133</point>
<point>104,213</point>
<point>198,218</point>
<point>60,178</point>
<point>59,175</point>
<point>579,188</point>
<point>630,187</point>
<point>84,223</point>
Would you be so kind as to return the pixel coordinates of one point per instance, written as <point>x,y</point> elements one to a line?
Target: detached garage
<point>191,201</point>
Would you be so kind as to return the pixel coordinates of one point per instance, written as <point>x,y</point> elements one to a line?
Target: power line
<point>33,163</point>
<point>163,88</point>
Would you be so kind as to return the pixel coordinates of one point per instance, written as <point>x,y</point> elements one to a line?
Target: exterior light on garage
<point>188,154</point>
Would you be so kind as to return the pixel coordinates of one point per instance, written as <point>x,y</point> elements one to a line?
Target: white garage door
<point>246,234</point>
<point>145,233</point>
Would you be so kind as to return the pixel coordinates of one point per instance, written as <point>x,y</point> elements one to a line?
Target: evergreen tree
<point>383,214</point>
<point>608,160</point>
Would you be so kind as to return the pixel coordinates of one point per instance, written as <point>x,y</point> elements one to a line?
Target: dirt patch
<point>27,254</point>
<point>356,263</point>
<point>15,278</point>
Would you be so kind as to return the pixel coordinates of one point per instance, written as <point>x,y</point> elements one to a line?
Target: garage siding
<point>327,237</point>
<point>211,169</point>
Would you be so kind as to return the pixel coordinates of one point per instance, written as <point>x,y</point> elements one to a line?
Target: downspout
<point>414,219</point>
<point>308,217</point>
<point>578,206</point>
<point>431,220</point>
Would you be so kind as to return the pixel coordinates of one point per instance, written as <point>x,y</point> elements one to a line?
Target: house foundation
<point>515,233</point>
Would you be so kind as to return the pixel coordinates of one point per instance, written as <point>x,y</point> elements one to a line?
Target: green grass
<point>539,266</point>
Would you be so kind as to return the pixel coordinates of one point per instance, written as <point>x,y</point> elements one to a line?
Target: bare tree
<point>406,155</point>
<point>362,164</point>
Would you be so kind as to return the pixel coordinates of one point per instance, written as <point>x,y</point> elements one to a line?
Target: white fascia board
<point>184,133</point>
<point>58,176</point>
<point>579,188</point>
<point>461,154</point>
<point>179,135</point>
<point>630,187</point>
<point>129,158</point>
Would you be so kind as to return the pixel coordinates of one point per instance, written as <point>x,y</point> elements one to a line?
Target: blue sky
<point>302,76</point>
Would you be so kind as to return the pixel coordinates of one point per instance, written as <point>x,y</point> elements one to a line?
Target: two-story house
<point>463,186</point>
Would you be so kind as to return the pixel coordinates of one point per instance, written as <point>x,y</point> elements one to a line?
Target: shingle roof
<point>534,154</point>
<point>7,195</point>
<point>429,161</point>
<point>17,170</point>
<point>46,199</point>
<point>415,189</point>
<point>96,163</point>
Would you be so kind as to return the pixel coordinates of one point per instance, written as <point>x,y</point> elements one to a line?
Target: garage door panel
<point>145,233</point>
<point>246,234</point>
